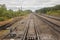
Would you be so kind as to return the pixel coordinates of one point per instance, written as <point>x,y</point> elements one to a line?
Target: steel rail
<point>53,25</point>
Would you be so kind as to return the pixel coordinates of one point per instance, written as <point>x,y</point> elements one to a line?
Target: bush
<point>54,13</point>
<point>2,19</point>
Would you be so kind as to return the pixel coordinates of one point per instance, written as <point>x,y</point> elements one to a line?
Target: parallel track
<point>55,18</point>
<point>3,27</point>
<point>54,26</point>
<point>6,26</point>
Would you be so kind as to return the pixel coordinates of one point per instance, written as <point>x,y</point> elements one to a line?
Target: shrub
<point>2,19</point>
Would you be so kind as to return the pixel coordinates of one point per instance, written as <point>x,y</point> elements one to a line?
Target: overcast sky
<point>29,4</point>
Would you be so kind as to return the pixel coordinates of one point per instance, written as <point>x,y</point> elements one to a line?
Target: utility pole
<point>21,5</point>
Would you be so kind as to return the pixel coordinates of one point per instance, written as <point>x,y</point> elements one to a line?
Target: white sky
<point>29,4</point>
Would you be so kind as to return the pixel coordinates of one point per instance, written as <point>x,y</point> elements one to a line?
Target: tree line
<point>7,14</point>
<point>55,10</point>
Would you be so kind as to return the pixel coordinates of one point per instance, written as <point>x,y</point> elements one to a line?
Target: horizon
<point>29,4</point>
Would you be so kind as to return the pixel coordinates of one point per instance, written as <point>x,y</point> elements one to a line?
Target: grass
<point>2,19</point>
<point>54,13</point>
<point>3,33</point>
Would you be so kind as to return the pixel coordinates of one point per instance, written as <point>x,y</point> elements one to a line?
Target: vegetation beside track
<point>54,11</point>
<point>8,14</point>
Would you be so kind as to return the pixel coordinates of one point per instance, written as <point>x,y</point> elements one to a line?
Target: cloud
<point>29,4</point>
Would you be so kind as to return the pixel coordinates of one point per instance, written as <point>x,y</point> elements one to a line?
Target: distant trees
<point>7,14</point>
<point>2,9</point>
<point>47,9</point>
<point>50,10</point>
<point>27,11</point>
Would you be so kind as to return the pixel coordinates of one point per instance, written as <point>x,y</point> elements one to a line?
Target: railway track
<point>32,28</point>
<point>3,27</point>
<point>34,35</point>
<point>37,31</point>
<point>52,17</point>
<point>30,32</point>
<point>54,27</point>
<point>26,31</point>
<point>8,27</point>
